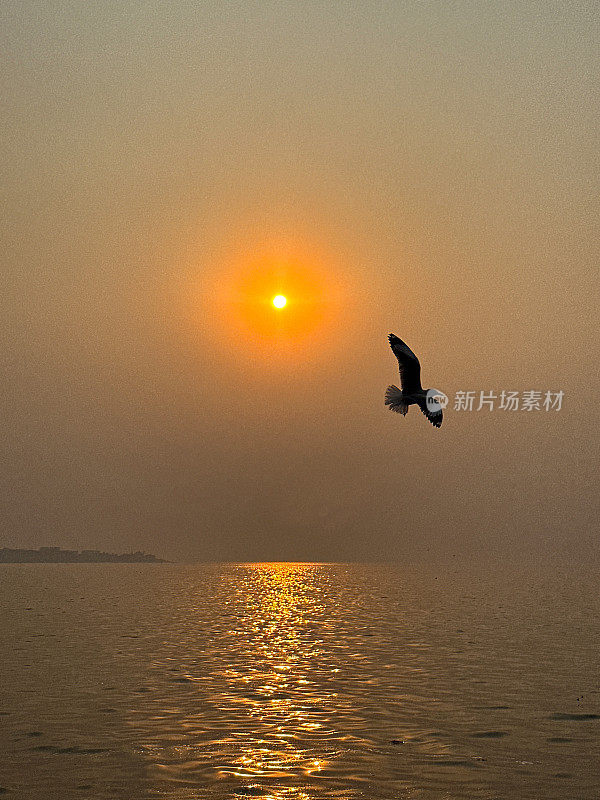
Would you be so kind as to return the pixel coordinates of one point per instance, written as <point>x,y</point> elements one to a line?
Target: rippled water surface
<point>297,681</point>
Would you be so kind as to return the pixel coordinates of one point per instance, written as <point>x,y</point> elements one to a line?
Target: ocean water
<point>298,681</point>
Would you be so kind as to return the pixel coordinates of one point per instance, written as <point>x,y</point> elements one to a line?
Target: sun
<point>279,301</point>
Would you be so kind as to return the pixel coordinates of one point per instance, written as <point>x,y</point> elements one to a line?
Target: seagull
<point>430,401</point>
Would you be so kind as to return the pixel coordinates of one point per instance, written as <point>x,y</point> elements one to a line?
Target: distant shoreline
<point>56,555</point>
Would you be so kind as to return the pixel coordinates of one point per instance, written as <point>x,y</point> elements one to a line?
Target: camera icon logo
<point>435,400</point>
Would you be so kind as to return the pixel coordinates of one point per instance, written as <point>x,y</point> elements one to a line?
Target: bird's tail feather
<point>394,399</point>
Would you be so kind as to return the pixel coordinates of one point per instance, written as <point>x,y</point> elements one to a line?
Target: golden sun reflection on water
<point>304,682</point>
<point>286,711</point>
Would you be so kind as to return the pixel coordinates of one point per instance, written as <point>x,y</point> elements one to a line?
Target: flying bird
<point>430,401</point>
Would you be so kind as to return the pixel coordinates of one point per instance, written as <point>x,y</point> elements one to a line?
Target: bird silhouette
<point>430,401</point>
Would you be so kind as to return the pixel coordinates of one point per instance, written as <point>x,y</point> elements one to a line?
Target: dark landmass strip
<point>56,555</point>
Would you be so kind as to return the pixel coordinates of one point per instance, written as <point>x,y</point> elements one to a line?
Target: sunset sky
<point>425,168</point>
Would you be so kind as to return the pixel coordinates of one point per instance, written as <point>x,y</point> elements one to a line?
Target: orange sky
<point>426,169</point>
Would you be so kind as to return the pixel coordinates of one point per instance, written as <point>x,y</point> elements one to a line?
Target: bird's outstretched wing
<point>410,369</point>
<point>433,412</point>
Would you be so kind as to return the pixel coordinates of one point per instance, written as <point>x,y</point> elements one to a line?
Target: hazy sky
<point>431,167</point>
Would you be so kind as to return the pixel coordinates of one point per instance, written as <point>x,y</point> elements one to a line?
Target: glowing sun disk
<point>279,301</point>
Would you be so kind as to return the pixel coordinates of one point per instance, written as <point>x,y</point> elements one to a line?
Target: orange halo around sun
<point>279,298</point>
<point>275,302</point>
